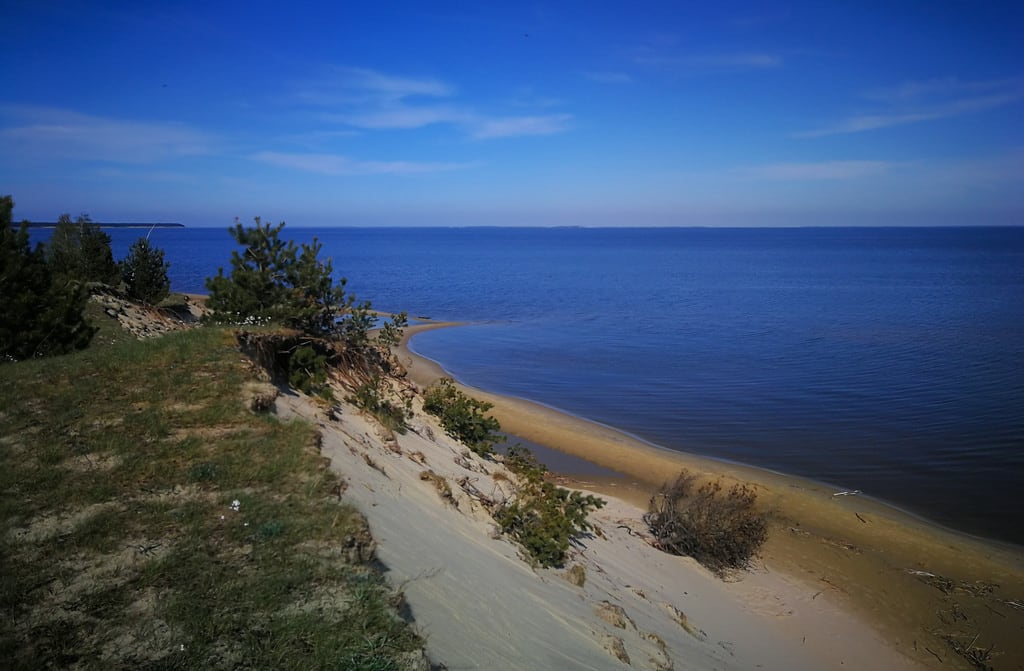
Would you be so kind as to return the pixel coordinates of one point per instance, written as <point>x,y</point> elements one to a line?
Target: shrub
<point>543,518</point>
<point>144,273</point>
<point>391,332</point>
<point>38,316</point>
<point>721,529</point>
<point>463,416</point>
<point>307,371</point>
<point>372,396</point>
<point>80,251</point>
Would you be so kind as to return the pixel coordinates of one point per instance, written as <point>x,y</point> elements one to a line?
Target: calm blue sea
<point>887,360</point>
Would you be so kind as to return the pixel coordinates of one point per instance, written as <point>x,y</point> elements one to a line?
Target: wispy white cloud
<point>945,87</point>
<point>371,100</point>
<point>707,63</point>
<point>401,116</point>
<point>337,165</point>
<point>608,77</point>
<point>47,132</point>
<point>931,100</point>
<point>549,124</point>
<point>815,171</point>
<point>349,85</point>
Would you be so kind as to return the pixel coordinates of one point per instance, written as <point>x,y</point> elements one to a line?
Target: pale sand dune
<point>482,607</point>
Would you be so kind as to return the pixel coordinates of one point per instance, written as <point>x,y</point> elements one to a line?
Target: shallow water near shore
<point>885,360</point>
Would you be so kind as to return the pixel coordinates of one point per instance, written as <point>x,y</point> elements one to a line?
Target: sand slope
<point>480,606</point>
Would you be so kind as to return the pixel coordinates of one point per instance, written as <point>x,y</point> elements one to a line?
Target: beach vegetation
<point>462,416</point>
<point>79,251</point>
<point>40,314</point>
<point>276,281</point>
<point>144,273</point>
<point>375,397</point>
<point>543,518</point>
<point>390,333</point>
<point>307,371</point>
<point>721,528</point>
<point>152,521</point>
<point>576,574</point>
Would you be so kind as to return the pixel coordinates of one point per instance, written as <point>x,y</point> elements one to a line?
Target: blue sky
<point>530,113</point>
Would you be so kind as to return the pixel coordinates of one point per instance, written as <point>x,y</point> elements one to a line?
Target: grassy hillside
<point>150,520</point>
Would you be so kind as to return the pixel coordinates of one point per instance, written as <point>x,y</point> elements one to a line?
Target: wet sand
<point>925,589</point>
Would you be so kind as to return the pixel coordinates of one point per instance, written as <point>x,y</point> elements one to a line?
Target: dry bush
<point>722,529</point>
<point>444,490</point>
<point>576,574</point>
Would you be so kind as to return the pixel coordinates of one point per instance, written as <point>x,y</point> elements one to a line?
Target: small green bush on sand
<point>373,397</point>
<point>463,417</point>
<point>543,518</point>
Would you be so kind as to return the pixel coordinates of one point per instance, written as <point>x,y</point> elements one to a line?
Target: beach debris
<point>861,518</point>
<point>374,465</point>
<point>977,656</point>
<point>946,585</point>
<point>576,574</point>
<point>629,530</point>
<point>471,489</point>
<point>833,585</point>
<point>614,615</point>
<point>614,646</point>
<point>681,618</point>
<point>440,484</point>
<point>852,492</point>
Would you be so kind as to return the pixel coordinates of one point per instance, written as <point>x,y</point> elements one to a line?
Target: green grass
<point>121,545</point>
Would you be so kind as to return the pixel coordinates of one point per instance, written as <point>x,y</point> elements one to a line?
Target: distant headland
<point>53,224</point>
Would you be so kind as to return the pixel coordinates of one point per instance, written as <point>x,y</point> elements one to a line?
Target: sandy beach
<point>935,597</point>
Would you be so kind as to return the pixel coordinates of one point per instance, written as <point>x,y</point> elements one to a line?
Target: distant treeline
<point>53,224</point>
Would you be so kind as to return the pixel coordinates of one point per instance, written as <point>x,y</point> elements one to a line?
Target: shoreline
<point>871,557</point>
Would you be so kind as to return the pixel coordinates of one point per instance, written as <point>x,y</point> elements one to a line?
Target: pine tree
<point>80,251</point>
<point>144,272</point>
<point>273,281</point>
<point>38,316</point>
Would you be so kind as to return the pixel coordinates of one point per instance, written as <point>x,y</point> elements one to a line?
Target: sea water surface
<point>889,360</point>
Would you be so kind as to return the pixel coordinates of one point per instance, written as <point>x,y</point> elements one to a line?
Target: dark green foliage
<point>273,281</point>
<point>391,332</point>
<point>354,330</point>
<point>463,416</point>
<point>543,518</point>
<point>80,251</point>
<point>721,529</point>
<point>38,317</point>
<point>307,371</point>
<point>372,396</point>
<point>144,273</point>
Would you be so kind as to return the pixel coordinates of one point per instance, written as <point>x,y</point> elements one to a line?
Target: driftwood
<point>948,585</point>
<point>474,492</point>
